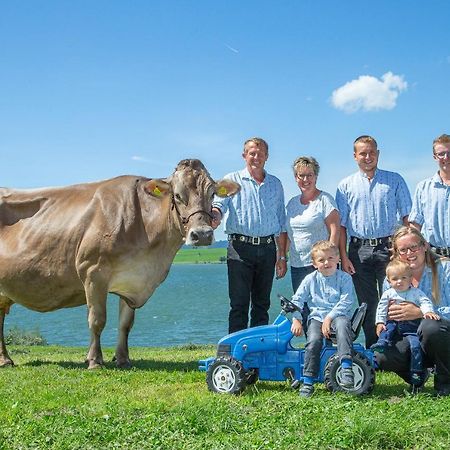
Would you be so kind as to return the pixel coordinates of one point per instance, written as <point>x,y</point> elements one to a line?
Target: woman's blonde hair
<point>306,161</point>
<point>431,258</point>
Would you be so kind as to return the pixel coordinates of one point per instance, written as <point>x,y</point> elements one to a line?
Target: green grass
<point>49,400</point>
<point>202,255</point>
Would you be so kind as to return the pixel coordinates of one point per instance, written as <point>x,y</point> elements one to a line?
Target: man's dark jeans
<point>370,270</point>
<point>251,269</point>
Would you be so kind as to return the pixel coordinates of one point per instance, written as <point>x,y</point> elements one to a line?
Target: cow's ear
<point>227,188</point>
<point>157,188</point>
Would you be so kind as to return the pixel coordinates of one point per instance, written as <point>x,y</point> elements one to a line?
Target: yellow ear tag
<point>156,191</point>
<point>222,190</point>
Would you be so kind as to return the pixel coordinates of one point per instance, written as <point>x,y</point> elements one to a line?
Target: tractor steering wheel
<point>287,305</point>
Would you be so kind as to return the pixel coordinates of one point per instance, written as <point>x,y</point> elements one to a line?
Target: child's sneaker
<point>307,390</point>
<point>347,378</point>
<point>418,378</point>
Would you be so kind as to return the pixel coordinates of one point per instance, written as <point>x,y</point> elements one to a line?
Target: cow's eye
<point>179,198</point>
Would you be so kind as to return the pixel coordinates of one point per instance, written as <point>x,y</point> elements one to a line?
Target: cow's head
<point>192,191</point>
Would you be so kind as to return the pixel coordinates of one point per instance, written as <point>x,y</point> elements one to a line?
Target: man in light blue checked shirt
<point>430,212</point>
<point>370,203</point>
<point>254,221</point>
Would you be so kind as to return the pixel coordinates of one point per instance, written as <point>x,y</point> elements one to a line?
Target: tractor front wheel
<point>226,376</point>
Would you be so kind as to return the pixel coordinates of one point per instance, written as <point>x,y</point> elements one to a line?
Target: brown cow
<point>70,246</point>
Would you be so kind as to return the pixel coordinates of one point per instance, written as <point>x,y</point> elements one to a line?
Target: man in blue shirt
<point>371,202</point>
<point>430,212</point>
<point>254,221</point>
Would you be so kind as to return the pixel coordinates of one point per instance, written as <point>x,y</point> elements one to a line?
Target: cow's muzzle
<point>200,236</point>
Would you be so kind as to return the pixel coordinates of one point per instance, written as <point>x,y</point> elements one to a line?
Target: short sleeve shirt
<point>305,225</point>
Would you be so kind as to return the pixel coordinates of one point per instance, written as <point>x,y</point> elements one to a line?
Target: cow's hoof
<point>6,362</point>
<point>95,365</point>
<point>124,364</point>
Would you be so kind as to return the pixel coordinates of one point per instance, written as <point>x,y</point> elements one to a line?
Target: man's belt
<point>372,242</point>
<point>443,251</point>
<point>250,239</point>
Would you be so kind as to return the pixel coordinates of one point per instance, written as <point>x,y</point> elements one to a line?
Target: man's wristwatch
<point>282,258</point>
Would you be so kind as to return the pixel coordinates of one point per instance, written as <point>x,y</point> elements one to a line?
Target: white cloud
<point>369,93</point>
<point>229,47</point>
<point>140,158</point>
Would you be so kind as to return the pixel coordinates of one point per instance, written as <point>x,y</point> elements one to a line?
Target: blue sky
<point>95,89</point>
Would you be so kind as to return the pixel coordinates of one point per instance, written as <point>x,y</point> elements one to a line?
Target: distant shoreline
<point>201,255</point>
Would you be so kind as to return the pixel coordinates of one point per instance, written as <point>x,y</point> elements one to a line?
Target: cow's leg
<point>126,321</point>
<point>96,293</point>
<point>5,360</point>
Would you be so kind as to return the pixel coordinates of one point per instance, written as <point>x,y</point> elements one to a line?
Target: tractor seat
<point>356,323</point>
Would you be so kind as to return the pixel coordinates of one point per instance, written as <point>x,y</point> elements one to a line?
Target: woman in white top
<point>311,216</point>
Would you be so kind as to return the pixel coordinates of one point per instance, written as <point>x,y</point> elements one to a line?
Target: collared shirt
<point>257,209</point>
<point>305,225</point>
<point>331,296</point>
<point>426,285</point>
<point>411,295</point>
<point>372,209</point>
<point>431,209</point>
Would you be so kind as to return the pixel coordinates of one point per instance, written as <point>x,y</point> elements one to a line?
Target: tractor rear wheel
<point>363,372</point>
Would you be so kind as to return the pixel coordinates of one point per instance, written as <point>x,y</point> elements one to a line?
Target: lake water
<point>191,306</point>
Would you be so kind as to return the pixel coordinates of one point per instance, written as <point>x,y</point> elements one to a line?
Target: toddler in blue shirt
<point>399,276</point>
<point>329,294</point>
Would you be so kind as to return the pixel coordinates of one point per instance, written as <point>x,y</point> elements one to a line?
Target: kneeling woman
<point>431,274</point>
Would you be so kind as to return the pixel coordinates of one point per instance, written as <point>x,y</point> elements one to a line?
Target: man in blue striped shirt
<point>254,221</point>
<point>430,212</point>
<point>371,203</point>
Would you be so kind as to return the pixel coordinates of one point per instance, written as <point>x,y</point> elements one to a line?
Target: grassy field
<point>202,255</point>
<point>50,401</point>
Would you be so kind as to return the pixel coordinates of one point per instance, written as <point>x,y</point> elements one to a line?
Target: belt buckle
<point>373,242</point>
<point>256,240</point>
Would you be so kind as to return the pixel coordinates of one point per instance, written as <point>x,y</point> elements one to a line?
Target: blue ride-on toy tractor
<point>266,353</point>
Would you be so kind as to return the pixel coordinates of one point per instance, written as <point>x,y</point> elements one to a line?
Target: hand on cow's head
<point>226,188</point>
<point>157,188</point>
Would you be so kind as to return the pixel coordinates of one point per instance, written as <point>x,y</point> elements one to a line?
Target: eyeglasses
<point>308,176</point>
<point>412,248</point>
<point>442,155</point>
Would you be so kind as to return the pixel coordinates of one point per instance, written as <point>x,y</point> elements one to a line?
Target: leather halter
<point>185,220</point>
